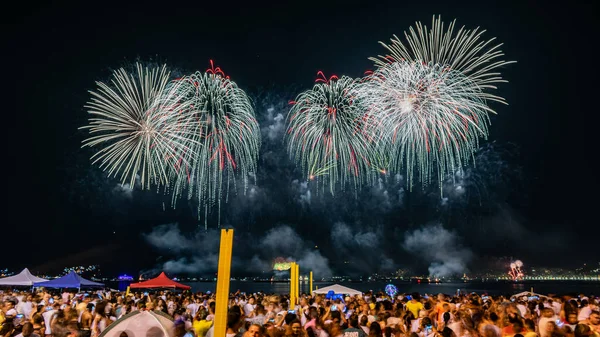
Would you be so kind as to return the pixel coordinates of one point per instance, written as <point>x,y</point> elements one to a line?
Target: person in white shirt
<point>584,312</point>
<point>522,308</point>
<point>249,307</point>
<point>20,297</point>
<point>26,306</point>
<point>20,305</point>
<point>547,316</point>
<point>66,296</point>
<point>9,308</point>
<point>257,316</point>
<point>193,307</point>
<point>556,305</point>
<point>47,315</point>
<point>395,320</point>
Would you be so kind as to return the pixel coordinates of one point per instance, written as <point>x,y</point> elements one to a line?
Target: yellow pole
<point>292,285</point>
<point>297,280</point>
<point>310,276</point>
<point>223,278</point>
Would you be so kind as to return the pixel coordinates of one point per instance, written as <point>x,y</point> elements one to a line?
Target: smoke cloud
<point>276,127</point>
<point>303,193</point>
<point>199,253</point>
<point>362,248</point>
<point>124,191</point>
<point>439,247</point>
<point>196,254</point>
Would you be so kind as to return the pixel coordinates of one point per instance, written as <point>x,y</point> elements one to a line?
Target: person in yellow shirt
<point>414,305</point>
<point>200,324</point>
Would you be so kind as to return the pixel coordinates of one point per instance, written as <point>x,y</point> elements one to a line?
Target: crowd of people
<point>42,313</point>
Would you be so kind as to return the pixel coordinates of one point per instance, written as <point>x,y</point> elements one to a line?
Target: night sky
<point>61,211</point>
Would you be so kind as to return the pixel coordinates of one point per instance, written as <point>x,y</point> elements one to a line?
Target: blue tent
<point>71,280</point>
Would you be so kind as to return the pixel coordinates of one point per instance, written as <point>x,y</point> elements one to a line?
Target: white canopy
<point>141,324</point>
<point>527,294</point>
<point>24,278</point>
<point>338,289</point>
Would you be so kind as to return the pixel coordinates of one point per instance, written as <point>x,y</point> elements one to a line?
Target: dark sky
<point>60,209</point>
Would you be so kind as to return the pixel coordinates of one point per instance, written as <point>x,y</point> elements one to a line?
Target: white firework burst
<point>431,98</point>
<point>138,131</point>
<point>430,118</point>
<point>461,50</point>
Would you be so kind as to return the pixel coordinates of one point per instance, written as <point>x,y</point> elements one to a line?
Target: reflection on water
<point>518,287</point>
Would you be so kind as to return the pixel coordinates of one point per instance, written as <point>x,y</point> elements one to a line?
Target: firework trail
<point>515,271</point>
<point>430,99</point>
<point>224,138</point>
<point>326,133</point>
<point>140,134</point>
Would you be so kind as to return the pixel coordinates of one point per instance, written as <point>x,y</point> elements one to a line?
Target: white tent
<point>141,324</point>
<point>24,278</point>
<point>338,289</point>
<point>527,294</point>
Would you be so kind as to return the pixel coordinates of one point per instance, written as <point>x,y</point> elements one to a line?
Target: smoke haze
<point>441,248</point>
<point>199,253</point>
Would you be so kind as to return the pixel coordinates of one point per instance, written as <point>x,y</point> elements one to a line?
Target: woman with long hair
<point>101,319</point>
<point>161,305</point>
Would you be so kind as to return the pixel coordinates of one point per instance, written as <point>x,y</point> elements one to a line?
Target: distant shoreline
<point>490,287</point>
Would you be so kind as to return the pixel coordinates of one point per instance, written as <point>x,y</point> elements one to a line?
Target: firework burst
<point>325,133</point>
<point>430,98</point>
<point>139,132</point>
<point>224,137</point>
<point>515,271</point>
<point>463,50</point>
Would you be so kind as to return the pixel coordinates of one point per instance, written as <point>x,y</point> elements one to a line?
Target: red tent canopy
<point>161,281</point>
